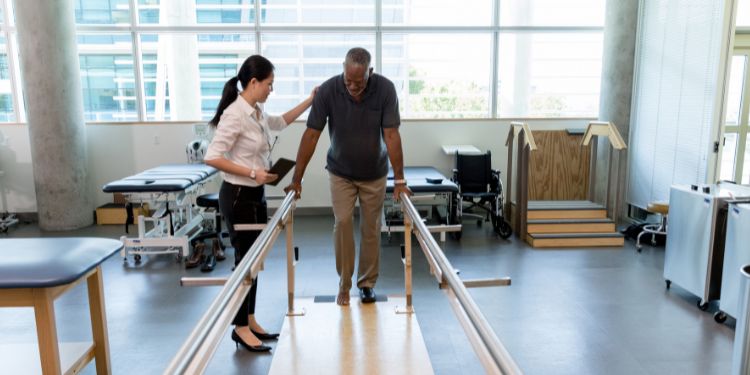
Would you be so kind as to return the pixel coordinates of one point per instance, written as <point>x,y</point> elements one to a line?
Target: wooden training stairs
<point>570,224</point>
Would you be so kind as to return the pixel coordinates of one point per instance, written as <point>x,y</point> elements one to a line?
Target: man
<point>361,109</point>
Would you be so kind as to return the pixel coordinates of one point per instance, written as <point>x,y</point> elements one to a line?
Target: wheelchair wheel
<point>501,227</point>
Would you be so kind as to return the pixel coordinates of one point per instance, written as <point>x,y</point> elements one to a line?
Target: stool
<point>658,208</point>
<point>210,201</point>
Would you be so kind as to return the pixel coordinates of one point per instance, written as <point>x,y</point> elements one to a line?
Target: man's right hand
<point>297,187</point>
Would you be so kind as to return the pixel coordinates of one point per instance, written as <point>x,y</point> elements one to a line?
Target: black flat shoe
<point>265,336</point>
<point>367,295</point>
<point>238,341</point>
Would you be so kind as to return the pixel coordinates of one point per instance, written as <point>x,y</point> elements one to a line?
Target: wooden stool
<point>38,271</point>
<point>658,208</point>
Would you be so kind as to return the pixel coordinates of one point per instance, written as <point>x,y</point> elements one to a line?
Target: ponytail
<point>255,66</point>
<point>228,96</point>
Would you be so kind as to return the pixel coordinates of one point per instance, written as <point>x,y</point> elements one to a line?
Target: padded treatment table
<point>167,188</point>
<point>430,188</point>
<point>33,273</point>
<point>165,178</point>
<point>417,180</point>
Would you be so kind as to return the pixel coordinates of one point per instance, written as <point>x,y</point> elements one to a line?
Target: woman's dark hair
<point>255,66</point>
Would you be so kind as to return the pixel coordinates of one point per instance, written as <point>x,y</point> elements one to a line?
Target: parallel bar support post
<point>407,267</point>
<point>290,265</point>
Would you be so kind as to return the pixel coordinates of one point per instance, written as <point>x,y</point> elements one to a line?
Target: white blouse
<point>244,139</point>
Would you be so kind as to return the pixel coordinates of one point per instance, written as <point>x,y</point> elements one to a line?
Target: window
<point>743,13</point>
<point>477,59</point>
<point>102,11</point>
<point>549,74</point>
<point>573,13</point>
<point>169,58</point>
<point>304,61</point>
<point>440,75</point>
<point>107,77</point>
<point>6,92</point>
<point>437,13</point>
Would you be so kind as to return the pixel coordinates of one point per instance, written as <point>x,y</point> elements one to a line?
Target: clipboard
<point>281,168</point>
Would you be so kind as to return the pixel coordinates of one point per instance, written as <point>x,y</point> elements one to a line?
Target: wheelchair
<point>481,187</point>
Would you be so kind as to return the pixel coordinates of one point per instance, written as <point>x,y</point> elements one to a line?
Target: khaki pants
<point>344,195</point>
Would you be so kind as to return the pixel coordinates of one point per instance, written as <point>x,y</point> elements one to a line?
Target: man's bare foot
<point>342,299</point>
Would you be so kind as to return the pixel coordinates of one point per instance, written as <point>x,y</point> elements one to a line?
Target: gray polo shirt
<point>357,150</point>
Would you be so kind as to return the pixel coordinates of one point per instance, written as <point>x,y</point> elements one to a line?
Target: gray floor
<point>592,311</point>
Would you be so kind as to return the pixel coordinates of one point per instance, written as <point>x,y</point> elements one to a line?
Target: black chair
<point>480,186</point>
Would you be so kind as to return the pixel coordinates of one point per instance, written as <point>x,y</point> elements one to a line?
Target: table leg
<point>46,331</point>
<point>99,322</point>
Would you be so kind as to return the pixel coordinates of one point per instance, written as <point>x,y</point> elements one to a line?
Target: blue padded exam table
<point>430,188</point>
<point>33,273</point>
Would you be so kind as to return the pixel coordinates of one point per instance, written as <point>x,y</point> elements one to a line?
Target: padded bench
<point>33,273</point>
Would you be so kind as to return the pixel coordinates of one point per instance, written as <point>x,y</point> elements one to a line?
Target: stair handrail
<point>604,129</point>
<point>525,144</point>
<point>617,143</point>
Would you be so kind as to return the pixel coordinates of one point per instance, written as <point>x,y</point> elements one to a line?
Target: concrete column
<point>618,62</point>
<point>54,108</point>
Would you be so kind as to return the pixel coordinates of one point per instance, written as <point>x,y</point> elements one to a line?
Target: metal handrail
<point>200,346</point>
<point>499,361</point>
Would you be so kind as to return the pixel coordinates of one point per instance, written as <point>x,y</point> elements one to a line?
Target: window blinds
<point>678,79</point>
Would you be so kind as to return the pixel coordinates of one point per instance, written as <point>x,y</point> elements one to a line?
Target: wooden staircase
<point>570,224</point>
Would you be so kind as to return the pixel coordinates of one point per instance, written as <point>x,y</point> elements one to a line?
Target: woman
<point>241,149</point>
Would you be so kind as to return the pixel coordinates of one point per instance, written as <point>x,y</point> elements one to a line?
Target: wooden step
<point>575,239</point>
<point>571,226</point>
<point>538,210</point>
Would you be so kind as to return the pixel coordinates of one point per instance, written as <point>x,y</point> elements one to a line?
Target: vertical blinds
<point>675,108</point>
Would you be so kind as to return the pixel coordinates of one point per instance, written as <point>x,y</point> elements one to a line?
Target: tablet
<point>281,168</point>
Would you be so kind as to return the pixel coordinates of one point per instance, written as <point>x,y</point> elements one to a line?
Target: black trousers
<point>243,205</point>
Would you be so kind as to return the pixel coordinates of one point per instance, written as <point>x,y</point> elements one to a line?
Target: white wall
<point>116,151</point>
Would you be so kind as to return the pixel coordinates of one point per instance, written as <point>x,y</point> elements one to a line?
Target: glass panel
<point>728,157</point>
<point>184,12</point>
<point>736,81</point>
<point>318,12</point>
<point>168,58</point>
<point>148,11</point>
<point>437,13</point>
<point>107,77</point>
<point>6,99</point>
<point>552,13</point>
<point>746,164</point>
<point>304,61</point>
<point>102,11</point>
<point>549,75</point>
<point>439,75</point>
<point>743,13</point>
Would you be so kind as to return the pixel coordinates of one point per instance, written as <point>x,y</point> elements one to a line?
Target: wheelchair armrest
<point>495,181</point>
